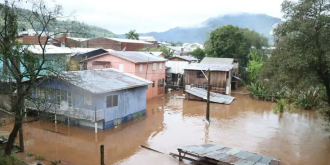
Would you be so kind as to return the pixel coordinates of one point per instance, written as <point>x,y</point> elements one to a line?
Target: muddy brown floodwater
<point>296,138</point>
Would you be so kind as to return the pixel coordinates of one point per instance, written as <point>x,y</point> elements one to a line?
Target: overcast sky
<point>120,16</point>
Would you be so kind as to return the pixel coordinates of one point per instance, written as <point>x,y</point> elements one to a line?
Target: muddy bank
<point>297,138</point>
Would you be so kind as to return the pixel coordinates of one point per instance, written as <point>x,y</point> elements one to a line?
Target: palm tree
<point>132,34</point>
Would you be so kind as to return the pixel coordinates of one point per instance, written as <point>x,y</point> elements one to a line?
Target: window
<point>160,82</point>
<point>112,101</point>
<point>61,95</point>
<point>160,65</point>
<point>200,74</point>
<point>87,99</point>
<point>141,67</point>
<point>153,84</point>
<point>154,66</point>
<point>43,93</point>
<point>121,67</point>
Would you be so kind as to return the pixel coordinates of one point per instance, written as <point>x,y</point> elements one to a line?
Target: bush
<point>39,157</point>
<point>281,105</point>
<point>9,160</point>
<point>29,154</point>
<point>308,100</point>
<point>258,91</point>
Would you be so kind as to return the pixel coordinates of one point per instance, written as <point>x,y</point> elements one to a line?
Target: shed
<point>215,60</point>
<point>95,96</point>
<point>195,76</point>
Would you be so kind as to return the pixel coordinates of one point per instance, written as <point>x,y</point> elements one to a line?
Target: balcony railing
<point>76,113</point>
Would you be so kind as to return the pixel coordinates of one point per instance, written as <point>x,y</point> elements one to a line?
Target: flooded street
<point>296,138</point>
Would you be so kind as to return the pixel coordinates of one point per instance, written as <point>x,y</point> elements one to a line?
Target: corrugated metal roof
<point>227,155</point>
<point>212,67</point>
<point>49,49</point>
<point>78,39</point>
<point>104,80</point>
<point>214,97</point>
<point>156,53</point>
<point>214,60</point>
<point>128,40</point>
<point>187,58</point>
<point>137,57</point>
<point>147,38</point>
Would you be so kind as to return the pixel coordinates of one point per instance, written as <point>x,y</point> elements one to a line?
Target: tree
<point>301,59</point>
<point>232,42</point>
<point>168,53</point>
<point>132,34</point>
<point>254,65</point>
<point>19,63</point>
<point>198,53</point>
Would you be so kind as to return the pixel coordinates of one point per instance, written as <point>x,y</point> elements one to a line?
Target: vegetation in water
<point>39,157</point>
<point>56,162</point>
<point>9,160</point>
<point>29,154</point>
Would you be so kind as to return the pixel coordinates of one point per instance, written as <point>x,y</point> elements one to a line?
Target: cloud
<point>150,15</point>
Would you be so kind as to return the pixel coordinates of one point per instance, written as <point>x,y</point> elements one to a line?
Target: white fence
<point>76,113</point>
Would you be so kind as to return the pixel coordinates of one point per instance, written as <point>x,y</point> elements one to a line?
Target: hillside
<point>261,23</point>
<point>84,30</point>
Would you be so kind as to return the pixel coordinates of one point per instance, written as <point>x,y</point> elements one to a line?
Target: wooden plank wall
<point>218,78</point>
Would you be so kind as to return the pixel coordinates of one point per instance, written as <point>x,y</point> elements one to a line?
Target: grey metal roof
<point>214,97</point>
<point>137,57</point>
<point>226,155</point>
<point>104,80</point>
<point>129,40</point>
<point>214,60</point>
<point>187,58</point>
<point>212,67</point>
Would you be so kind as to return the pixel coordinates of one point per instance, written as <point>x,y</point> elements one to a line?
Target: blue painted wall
<point>129,101</point>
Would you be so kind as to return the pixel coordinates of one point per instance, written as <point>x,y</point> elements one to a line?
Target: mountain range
<point>261,23</point>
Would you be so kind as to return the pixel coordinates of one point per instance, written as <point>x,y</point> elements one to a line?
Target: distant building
<point>141,64</point>
<point>150,39</point>
<point>94,96</point>
<point>195,76</point>
<point>117,44</point>
<point>175,71</point>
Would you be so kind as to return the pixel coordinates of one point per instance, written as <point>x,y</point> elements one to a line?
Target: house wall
<point>126,110</point>
<point>131,46</point>
<point>176,67</point>
<point>32,40</point>
<point>129,67</point>
<point>148,73</point>
<point>104,43</point>
<point>218,79</point>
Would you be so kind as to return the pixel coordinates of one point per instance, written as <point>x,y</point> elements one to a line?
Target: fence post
<point>102,155</point>
<point>95,121</point>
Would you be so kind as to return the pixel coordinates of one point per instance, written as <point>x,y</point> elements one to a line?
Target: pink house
<point>142,64</point>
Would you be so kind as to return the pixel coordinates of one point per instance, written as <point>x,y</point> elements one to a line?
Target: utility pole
<point>102,154</point>
<point>208,96</point>
<point>95,121</point>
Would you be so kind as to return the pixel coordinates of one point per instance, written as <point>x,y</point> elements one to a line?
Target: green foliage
<point>232,42</point>
<point>178,43</point>
<point>282,104</point>
<point>198,53</point>
<point>39,157</point>
<point>2,136</point>
<point>132,34</point>
<point>29,154</point>
<point>301,59</point>
<point>257,91</point>
<point>254,65</point>
<point>9,160</point>
<point>168,53</point>
<point>308,99</point>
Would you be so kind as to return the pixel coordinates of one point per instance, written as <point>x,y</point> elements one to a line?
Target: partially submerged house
<point>141,64</point>
<point>175,71</point>
<point>93,96</point>
<point>225,61</point>
<point>195,75</point>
